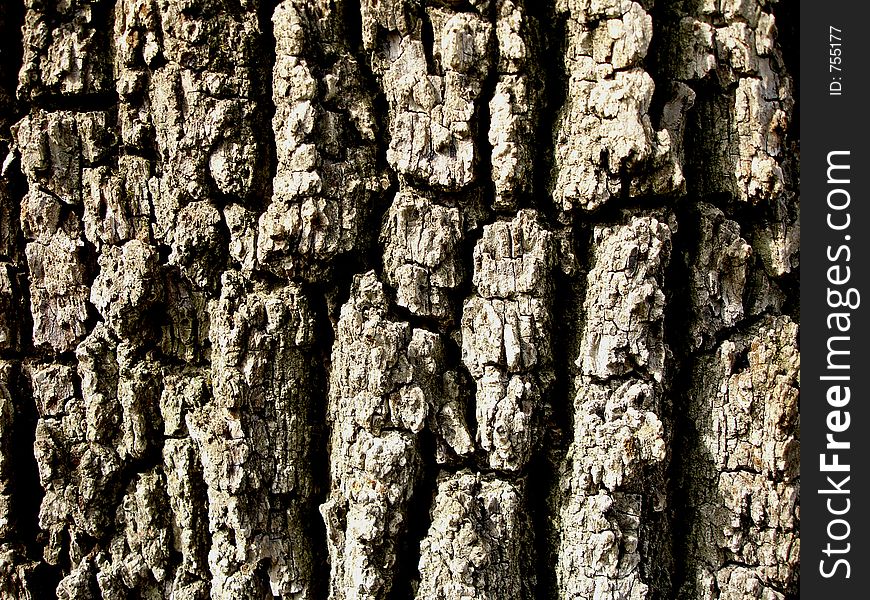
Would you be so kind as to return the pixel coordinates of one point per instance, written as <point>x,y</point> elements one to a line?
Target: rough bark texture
<point>394,299</point>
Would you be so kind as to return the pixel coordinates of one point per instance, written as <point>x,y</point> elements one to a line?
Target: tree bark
<point>432,299</point>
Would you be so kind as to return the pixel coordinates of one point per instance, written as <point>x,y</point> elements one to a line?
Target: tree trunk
<point>441,299</point>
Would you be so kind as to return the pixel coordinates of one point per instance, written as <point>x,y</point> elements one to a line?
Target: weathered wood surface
<point>393,299</point>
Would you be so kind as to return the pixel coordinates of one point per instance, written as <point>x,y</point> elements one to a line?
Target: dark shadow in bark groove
<point>263,81</point>
<point>406,572</point>
<point>558,422</point>
<point>787,17</point>
<point>351,16</point>
<point>88,102</point>
<point>483,151</point>
<point>22,321</point>
<point>660,48</point>
<point>682,510</point>
<point>26,491</point>
<point>427,38</point>
<point>553,41</point>
<point>542,479</point>
<point>705,154</point>
<point>12,50</point>
<point>319,454</point>
<point>368,255</point>
<point>679,477</point>
<point>454,350</point>
<point>544,500</point>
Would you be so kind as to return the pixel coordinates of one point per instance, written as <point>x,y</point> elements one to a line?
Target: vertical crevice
<point>483,117</point>
<point>319,451</point>
<point>21,320</point>
<point>367,254</point>
<point>662,548</point>
<point>406,571</point>
<point>453,340</point>
<point>658,54</point>
<point>26,491</point>
<point>350,13</point>
<point>663,552</point>
<point>103,16</point>
<point>264,82</point>
<point>11,56</point>
<point>787,18</point>
<point>553,43</point>
<point>683,459</point>
<point>545,469</point>
<point>200,525</point>
<point>427,38</point>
